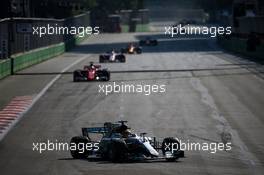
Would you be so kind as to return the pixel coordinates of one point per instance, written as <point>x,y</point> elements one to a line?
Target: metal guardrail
<point>239,45</point>
<point>5,68</point>
<point>41,49</point>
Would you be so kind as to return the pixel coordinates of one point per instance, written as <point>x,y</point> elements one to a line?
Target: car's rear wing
<point>95,130</point>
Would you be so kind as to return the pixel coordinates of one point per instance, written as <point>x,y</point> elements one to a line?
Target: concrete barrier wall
<point>239,46</point>
<point>250,24</point>
<point>5,68</point>
<point>21,38</point>
<point>22,61</point>
<point>43,49</point>
<point>36,56</point>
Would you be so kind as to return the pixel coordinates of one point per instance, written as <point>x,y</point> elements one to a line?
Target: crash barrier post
<point>5,68</point>
<point>239,45</point>
<point>12,66</point>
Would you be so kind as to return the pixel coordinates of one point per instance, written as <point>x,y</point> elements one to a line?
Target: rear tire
<point>101,59</point>
<point>123,59</point>
<point>76,74</point>
<point>74,79</point>
<point>117,151</point>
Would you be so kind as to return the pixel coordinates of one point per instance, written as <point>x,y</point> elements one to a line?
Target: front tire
<point>172,146</point>
<point>104,75</point>
<point>139,50</point>
<point>77,153</point>
<point>107,76</point>
<point>123,59</point>
<point>101,59</point>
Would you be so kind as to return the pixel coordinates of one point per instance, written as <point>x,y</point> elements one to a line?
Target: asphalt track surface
<point>209,94</point>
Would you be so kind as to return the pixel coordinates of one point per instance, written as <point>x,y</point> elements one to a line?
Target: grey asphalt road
<point>210,94</point>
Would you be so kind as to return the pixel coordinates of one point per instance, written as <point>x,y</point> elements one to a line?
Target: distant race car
<point>132,49</point>
<point>148,42</point>
<point>112,57</point>
<point>119,144</point>
<point>91,73</point>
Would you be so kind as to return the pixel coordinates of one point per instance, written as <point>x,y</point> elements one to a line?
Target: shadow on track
<point>145,71</point>
<point>101,161</point>
<point>185,43</point>
<point>192,71</point>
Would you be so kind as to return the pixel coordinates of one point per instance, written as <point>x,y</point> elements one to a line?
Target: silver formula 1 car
<point>119,144</point>
<point>112,57</point>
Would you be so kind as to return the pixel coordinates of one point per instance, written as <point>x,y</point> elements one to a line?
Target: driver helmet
<point>126,133</point>
<point>91,64</point>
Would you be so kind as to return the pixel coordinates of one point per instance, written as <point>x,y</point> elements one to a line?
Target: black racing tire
<point>107,75</point>
<point>170,142</point>
<point>76,74</point>
<point>101,59</point>
<point>75,78</point>
<point>123,59</point>
<point>139,50</point>
<point>117,151</point>
<point>76,153</point>
<point>104,75</point>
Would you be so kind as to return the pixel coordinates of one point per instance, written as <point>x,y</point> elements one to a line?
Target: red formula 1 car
<point>91,73</point>
<point>132,49</point>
